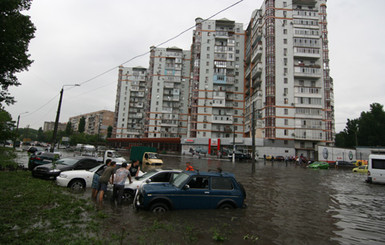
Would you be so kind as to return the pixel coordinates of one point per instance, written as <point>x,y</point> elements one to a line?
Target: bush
<point>7,159</point>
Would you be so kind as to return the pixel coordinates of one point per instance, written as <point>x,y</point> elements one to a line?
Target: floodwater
<point>286,204</point>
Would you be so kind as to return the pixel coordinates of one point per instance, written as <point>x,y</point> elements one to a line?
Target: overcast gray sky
<point>77,40</point>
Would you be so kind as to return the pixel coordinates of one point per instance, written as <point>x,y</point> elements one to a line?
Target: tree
<point>372,126</point>
<point>109,131</point>
<point>16,32</point>
<point>367,130</point>
<point>68,130</point>
<point>82,125</point>
<point>6,126</point>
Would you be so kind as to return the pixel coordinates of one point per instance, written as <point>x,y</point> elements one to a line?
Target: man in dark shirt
<point>108,175</point>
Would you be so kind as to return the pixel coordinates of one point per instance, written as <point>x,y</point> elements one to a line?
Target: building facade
<point>130,102</point>
<point>167,94</point>
<point>96,123</point>
<point>288,88</point>
<point>49,126</point>
<point>216,88</point>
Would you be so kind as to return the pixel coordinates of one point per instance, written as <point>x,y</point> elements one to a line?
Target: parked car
<point>52,170</point>
<point>361,169</point>
<point>34,149</point>
<point>193,190</point>
<point>79,180</point>
<point>279,158</point>
<point>42,157</point>
<point>158,176</point>
<point>238,155</point>
<point>344,164</point>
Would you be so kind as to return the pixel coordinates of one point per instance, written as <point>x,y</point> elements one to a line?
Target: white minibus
<point>376,169</point>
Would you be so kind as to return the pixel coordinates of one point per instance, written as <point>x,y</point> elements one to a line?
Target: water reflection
<point>287,204</point>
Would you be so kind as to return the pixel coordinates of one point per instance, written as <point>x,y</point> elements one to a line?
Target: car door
<point>223,188</point>
<point>195,194</point>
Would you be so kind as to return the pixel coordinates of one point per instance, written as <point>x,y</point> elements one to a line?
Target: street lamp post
<point>17,128</point>
<point>57,117</point>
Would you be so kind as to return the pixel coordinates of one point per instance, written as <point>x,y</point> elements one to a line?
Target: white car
<point>157,176</point>
<point>78,180</point>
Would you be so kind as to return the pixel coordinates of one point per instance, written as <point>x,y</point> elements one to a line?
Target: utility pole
<point>17,129</point>
<point>53,141</point>
<point>233,143</point>
<point>253,139</point>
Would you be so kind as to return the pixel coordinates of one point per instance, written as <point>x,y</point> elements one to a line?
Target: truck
<point>145,155</point>
<point>114,156</point>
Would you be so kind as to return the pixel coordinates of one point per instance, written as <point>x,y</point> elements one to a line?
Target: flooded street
<point>286,204</point>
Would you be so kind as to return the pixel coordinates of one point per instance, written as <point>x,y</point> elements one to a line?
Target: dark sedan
<point>52,170</point>
<point>343,164</point>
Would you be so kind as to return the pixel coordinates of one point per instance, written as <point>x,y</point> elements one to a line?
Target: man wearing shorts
<point>107,176</point>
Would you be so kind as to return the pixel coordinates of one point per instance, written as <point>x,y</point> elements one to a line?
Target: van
<point>376,169</point>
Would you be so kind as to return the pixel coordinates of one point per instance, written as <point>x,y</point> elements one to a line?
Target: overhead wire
<point>135,57</point>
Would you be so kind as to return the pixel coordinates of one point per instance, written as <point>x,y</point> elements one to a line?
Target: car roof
<point>215,174</point>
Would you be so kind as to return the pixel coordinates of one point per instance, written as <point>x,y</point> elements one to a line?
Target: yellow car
<point>361,169</point>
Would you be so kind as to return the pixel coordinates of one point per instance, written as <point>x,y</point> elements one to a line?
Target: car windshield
<point>67,161</point>
<point>180,179</point>
<point>146,175</point>
<point>152,155</point>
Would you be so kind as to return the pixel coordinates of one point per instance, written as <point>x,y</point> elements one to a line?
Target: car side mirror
<point>186,187</point>
<point>148,181</point>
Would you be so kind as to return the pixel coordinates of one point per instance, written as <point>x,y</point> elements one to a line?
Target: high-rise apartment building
<point>130,102</point>
<point>216,86</point>
<point>167,95</point>
<point>288,87</point>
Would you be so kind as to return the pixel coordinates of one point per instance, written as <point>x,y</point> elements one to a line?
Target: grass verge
<point>34,211</point>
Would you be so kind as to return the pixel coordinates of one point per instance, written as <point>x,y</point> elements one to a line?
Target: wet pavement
<point>286,204</point>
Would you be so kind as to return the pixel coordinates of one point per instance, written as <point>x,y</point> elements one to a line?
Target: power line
<point>137,56</point>
<point>162,43</point>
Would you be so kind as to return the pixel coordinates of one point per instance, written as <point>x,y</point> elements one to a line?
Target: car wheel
<point>128,194</point>
<point>159,207</point>
<point>226,206</point>
<point>77,185</point>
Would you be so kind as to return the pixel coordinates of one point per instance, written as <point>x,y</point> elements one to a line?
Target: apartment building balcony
<point>222,34</point>
<point>219,95</point>
<point>247,72</point>
<point>169,123</point>
<point>170,98</point>
<point>307,71</point>
<point>307,52</point>
<point>257,70</point>
<point>136,116</point>
<point>257,53</point>
<point>166,110</point>
<point>222,119</point>
<point>219,103</point>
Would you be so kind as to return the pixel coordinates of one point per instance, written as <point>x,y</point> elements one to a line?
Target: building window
<point>285,100</point>
<point>285,31</point>
<point>285,80</point>
<point>284,41</point>
<point>285,132</point>
<point>286,111</point>
<point>286,122</point>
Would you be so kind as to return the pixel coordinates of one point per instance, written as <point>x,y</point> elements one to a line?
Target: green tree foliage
<point>68,130</point>
<point>16,31</point>
<point>367,130</point>
<point>6,126</point>
<point>109,131</point>
<point>82,125</point>
<point>371,131</point>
